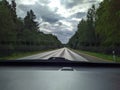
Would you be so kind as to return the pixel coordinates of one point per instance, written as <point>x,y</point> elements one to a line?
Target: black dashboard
<point>58,75</point>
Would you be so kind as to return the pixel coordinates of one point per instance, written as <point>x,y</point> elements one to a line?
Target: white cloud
<point>46,31</point>
<point>59,17</point>
<point>76,19</point>
<point>65,23</point>
<point>28,2</point>
<point>54,4</point>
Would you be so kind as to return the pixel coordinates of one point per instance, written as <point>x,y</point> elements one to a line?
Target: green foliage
<point>85,36</point>
<point>107,23</point>
<point>18,34</point>
<point>100,29</point>
<point>7,25</point>
<point>29,21</point>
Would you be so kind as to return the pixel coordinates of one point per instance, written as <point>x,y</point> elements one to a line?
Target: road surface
<point>63,52</point>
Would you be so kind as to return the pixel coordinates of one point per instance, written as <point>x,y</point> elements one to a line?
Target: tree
<point>91,26</point>
<point>13,5</point>
<point>85,36</point>
<point>102,19</point>
<point>107,23</point>
<point>29,21</point>
<point>101,28</point>
<point>13,10</point>
<point>17,34</point>
<point>7,25</point>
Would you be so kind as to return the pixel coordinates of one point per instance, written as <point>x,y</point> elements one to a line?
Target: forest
<point>100,30</point>
<point>22,34</point>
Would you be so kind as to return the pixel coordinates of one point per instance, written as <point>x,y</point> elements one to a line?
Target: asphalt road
<point>63,52</point>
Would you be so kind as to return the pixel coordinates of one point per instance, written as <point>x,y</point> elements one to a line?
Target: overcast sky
<point>59,17</point>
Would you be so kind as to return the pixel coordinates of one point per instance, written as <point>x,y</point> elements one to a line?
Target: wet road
<point>63,52</point>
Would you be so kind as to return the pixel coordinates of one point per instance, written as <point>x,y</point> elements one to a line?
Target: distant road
<point>63,52</point>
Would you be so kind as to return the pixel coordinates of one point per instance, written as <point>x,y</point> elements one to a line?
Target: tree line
<point>100,31</point>
<point>22,34</point>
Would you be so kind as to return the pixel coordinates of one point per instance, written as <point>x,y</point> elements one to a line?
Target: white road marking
<point>63,52</point>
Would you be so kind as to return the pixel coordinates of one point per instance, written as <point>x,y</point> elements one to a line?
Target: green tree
<point>29,21</point>
<point>85,36</point>
<point>17,34</point>
<point>91,36</point>
<point>107,23</point>
<point>7,25</point>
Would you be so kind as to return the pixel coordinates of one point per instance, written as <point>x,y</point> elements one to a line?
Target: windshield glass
<point>77,30</point>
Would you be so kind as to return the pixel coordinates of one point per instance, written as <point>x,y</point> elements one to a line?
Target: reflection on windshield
<point>76,30</point>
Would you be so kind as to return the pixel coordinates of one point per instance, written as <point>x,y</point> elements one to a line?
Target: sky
<point>57,17</point>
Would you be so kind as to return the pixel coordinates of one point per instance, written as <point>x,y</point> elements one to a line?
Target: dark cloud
<point>62,24</point>
<point>41,12</point>
<point>25,8</point>
<point>71,3</point>
<point>79,15</point>
<point>50,18</point>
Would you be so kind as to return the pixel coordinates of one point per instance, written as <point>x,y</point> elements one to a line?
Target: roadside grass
<point>101,55</point>
<point>21,54</point>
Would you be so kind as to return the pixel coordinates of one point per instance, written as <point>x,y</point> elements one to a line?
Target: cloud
<point>79,15</point>
<point>58,17</point>
<point>41,11</point>
<point>71,3</point>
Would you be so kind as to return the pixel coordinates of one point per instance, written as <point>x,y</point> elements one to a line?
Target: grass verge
<point>101,55</point>
<point>21,54</point>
